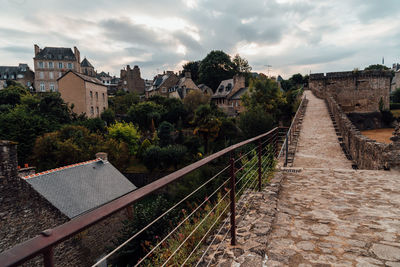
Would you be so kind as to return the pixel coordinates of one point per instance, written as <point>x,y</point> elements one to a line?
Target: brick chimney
<point>37,49</point>
<point>238,81</point>
<point>8,161</point>
<point>78,57</point>
<point>188,75</point>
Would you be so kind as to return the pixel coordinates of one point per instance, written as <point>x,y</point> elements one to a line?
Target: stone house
<point>161,84</point>
<point>87,68</point>
<point>228,95</point>
<point>205,89</point>
<point>50,63</point>
<point>183,87</point>
<point>88,94</point>
<point>37,202</point>
<point>110,81</point>
<point>131,81</point>
<point>21,74</point>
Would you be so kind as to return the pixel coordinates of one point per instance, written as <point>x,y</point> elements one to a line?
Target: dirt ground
<point>380,135</point>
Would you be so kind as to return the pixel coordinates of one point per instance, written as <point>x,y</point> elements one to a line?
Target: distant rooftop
<point>81,187</point>
<point>86,63</point>
<point>57,53</point>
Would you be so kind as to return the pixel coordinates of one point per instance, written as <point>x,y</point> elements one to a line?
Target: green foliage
<point>12,95</point>
<point>172,155</point>
<point>143,147</point>
<point>206,124</point>
<point>381,105</point>
<point>195,99</point>
<point>144,113</point>
<point>66,146</point>
<point>164,133</point>
<point>94,125</point>
<point>395,96</point>
<point>265,93</point>
<point>387,117</point>
<point>255,121</point>
<point>125,132</point>
<point>121,102</point>
<point>173,108</point>
<point>193,143</point>
<point>193,68</point>
<point>376,67</point>
<point>151,157</point>
<point>108,116</point>
<point>215,67</point>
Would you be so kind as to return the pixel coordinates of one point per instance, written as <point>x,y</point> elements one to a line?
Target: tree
<point>255,121</point>
<point>151,157</point>
<point>206,124</point>
<point>12,95</point>
<point>194,99</point>
<point>265,92</point>
<point>376,67</point>
<point>193,68</point>
<point>70,144</point>
<point>144,113</point>
<point>108,116</point>
<point>297,79</point>
<point>241,64</point>
<point>215,67</point>
<point>121,103</point>
<point>125,132</point>
<point>164,133</point>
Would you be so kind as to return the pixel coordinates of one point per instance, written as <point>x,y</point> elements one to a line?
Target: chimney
<point>128,67</point>
<point>188,75</point>
<point>78,57</point>
<point>238,81</point>
<point>37,49</point>
<point>101,155</point>
<point>8,161</point>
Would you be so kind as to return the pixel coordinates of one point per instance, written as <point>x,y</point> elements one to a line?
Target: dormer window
<point>229,87</point>
<point>221,88</point>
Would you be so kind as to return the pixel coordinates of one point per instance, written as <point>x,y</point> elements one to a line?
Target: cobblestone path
<point>329,214</point>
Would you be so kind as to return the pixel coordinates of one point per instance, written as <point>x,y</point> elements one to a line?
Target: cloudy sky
<point>290,35</point>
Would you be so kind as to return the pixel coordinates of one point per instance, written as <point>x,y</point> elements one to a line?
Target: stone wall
<point>24,214</point>
<point>354,91</point>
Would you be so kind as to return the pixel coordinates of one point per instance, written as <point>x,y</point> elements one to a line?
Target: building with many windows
<point>21,74</point>
<point>86,93</point>
<point>50,63</point>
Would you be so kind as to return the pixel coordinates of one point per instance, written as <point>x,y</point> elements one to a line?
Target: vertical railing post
<point>48,260</point>
<point>259,165</point>
<point>286,148</point>
<point>233,208</point>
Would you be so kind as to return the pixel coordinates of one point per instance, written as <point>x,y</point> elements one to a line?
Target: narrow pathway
<point>329,214</point>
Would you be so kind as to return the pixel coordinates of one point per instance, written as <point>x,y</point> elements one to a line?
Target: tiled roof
<point>238,94</point>
<point>81,187</point>
<point>8,70</point>
<point>86,63</point>
<point>57,53</point>
<point>83,77</point>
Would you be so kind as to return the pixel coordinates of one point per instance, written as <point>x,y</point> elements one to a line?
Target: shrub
<point>151,157</point>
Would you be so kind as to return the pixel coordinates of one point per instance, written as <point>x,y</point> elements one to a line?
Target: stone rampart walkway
<point>329,214</point>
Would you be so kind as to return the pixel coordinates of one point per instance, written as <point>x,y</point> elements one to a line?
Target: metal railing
<point>284,151</point>
<point>246,171</point>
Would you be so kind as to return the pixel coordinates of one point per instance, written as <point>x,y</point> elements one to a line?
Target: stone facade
<point>162,83</point>
<point>25,214</point>
<point>87,68</point>
<point>183,87</point>
<point>131,81</point>
<point>395,81</point>
<point>354,91</point>
<point>50,63</point>
<point>87,94</point>
<point>21,74</point>
<point>228,95</point>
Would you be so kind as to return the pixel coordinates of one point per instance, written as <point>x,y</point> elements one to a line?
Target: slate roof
<point>239,93</point>
<point>86,63</point>
<point>224,88</point>
<point>57,53</point>
<point>81,187</point>
<point>83,77</point>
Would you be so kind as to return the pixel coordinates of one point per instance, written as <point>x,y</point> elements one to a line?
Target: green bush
<point>151,157</point>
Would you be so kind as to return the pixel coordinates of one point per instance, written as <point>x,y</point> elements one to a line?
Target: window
<point>104,97</point>
<point>91,95</point>
<point>20,76</point>
<point>41,64</point>
<point>12,76</point>
<point>51,65</point>
<point>164,90</point>
<point>60,65</point>
<point>59,74</point>
<point>125,82</point>
<point>104,108</point>
<point>91,110</point>
<point>28,84</point>
<point>42,87</point>
<point>41,75</point>
<point>52,87</point>
<point>69,65</point>
<point>97,96</point>
<point>51,75</point>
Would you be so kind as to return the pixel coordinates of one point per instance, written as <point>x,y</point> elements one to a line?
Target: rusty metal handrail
<point>44,243</point>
